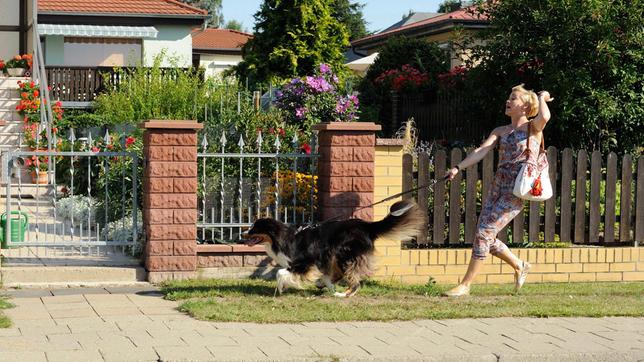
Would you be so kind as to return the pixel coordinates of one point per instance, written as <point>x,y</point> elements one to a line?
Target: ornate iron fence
<point>83,195</point>
<point>253,178</point>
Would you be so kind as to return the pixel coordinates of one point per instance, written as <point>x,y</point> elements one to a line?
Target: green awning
<point>98,30</point>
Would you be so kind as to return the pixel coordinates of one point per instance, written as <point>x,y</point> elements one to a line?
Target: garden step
<point>9,93</point>
<point>11,82</point>
<point>65,276</point>
<point>9,104</point>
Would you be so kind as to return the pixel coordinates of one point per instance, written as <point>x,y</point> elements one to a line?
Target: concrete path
<point>126,324</point>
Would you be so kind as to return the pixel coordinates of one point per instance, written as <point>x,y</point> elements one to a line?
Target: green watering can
<point>19,223</point>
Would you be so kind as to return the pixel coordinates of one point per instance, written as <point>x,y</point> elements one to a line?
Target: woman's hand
<point>451,173</point>
<point>545,95</point>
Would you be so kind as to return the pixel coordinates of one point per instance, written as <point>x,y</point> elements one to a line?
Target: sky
<point>379,14</point>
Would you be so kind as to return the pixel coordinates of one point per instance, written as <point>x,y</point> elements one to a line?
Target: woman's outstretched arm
<point>478,154</point>
<point>543,116</point>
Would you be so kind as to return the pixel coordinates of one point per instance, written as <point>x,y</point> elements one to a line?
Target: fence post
<point>346,168</point>
<point>170,199</point>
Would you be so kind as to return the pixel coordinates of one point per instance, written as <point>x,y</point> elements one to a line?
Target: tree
<point>214,10</point>
<point>589,55</point>
<point>351,16</point>
<point>447,6</point>
<point>234,25</point>
<point>292,38</point>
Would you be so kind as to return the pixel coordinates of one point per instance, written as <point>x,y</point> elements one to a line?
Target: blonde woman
<point>501,206</point>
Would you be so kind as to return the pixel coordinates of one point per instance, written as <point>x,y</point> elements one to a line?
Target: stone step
<point>12,82</point>
<point>8,104</point>
<point>11,128</point>
<point>9,93</point>
<point>67,276</point>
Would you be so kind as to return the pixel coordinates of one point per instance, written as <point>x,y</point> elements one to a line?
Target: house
<point>116,32</point>
<point>16,33</point>
<point>216,50</point>
<point>441,28</point>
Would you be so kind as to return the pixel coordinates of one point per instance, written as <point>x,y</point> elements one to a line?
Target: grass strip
<point>253,301</point>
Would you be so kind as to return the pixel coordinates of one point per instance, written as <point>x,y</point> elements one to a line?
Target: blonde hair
<point>528,97</point>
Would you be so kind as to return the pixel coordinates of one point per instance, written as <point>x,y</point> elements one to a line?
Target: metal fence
<point>77,197</point>
<point>251,178</point>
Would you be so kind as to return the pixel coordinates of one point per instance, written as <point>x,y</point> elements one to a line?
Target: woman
<point>501,206</point>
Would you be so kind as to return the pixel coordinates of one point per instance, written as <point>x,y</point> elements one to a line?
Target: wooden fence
<point>590,206</point>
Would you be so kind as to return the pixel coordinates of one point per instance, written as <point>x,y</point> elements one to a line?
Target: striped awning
<point>98,30</point>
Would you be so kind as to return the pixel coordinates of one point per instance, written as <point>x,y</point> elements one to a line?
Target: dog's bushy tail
<point>404,221</point>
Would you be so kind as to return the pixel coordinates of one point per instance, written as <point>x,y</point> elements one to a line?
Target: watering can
<point>19,222</point>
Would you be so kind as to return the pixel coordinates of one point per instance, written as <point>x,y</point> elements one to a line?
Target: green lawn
<point>4,321</point>
<point>253,301</point>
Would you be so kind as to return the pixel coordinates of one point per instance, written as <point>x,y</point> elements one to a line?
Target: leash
<point>392,197</point>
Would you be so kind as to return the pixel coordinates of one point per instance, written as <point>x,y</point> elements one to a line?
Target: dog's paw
<point>340,295</point>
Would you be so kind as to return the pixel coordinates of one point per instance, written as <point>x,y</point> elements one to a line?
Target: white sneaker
<point>521,275</point>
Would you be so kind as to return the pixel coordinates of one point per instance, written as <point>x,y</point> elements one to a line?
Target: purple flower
<point>325,68</point>
<point>299,112</point>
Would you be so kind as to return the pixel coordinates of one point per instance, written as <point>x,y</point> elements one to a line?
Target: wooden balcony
<point>78,86</point>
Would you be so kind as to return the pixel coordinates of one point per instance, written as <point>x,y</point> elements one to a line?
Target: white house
<point>116,32</point>
<point>216,50</point>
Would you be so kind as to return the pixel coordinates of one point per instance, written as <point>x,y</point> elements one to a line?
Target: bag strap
<point>543,147</point>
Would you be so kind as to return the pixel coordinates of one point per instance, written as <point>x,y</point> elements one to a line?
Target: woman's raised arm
<point>543,116</point>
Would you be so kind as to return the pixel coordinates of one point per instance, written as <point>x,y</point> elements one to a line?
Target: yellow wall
<point>548,265</point>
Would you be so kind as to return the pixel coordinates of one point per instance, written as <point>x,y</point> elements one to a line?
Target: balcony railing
<point>78,86</point>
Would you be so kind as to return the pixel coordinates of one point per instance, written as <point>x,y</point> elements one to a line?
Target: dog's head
<point>265,231</point>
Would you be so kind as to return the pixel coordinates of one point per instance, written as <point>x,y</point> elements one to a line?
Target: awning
<point>98,30</point>
<point>362,64</point>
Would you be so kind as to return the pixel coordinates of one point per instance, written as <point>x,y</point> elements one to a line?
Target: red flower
<point>306,148</point>
<point>129,141</point>
<point>36,93</point>
<point>282,131</point>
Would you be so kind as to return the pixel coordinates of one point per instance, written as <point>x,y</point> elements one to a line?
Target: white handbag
<point>533,181</point>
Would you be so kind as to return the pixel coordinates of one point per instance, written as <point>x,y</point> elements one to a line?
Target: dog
<point>333,250</point>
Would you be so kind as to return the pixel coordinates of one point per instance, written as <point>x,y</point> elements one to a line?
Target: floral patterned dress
<point>501,206</point>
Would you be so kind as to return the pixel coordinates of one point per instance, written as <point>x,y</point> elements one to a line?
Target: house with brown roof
<point>112,33</point>
<point>216,50</point>
<point>441,28</point>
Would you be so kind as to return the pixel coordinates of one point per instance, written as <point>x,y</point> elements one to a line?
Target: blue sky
<point>379,14</point>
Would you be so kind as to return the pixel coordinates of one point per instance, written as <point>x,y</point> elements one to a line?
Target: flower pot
<point>40,178</point>
<point>16,72</point>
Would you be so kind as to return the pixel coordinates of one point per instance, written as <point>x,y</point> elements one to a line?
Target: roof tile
<point>146,7</point>
<point>219,39</point>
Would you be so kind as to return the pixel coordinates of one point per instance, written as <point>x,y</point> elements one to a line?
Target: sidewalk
<point>128,324</point>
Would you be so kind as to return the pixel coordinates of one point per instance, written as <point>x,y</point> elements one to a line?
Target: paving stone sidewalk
<point>126,324</point>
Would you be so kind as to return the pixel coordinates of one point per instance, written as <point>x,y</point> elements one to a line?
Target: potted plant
<point>18,65</point>
<point>38,167</point>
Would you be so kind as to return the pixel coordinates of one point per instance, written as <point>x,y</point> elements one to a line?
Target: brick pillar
<point>170,199</point>
<point>346,168</point>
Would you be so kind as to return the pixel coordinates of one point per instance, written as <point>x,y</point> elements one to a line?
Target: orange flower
<point>17,57</point>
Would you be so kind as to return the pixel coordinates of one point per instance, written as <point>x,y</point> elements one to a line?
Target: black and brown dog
<point>334,250</point>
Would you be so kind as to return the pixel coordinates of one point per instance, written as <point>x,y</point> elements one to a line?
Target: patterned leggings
<point>499,208</point>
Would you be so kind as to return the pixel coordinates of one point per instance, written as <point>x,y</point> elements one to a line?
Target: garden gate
<point>82,196</point>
